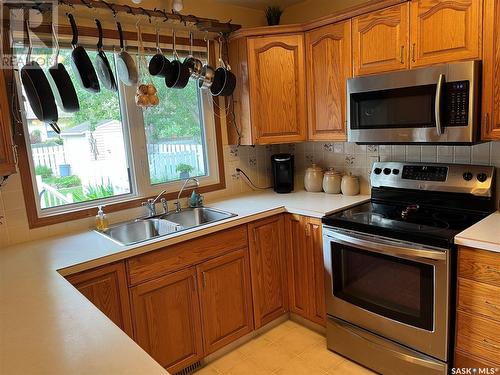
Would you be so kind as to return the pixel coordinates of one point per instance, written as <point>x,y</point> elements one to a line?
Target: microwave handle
<point>437,104</point>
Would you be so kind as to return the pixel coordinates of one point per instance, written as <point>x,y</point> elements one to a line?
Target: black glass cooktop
<point>409,222</point>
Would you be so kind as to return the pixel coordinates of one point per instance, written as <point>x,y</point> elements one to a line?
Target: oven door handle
<point>385,248</point>
<point>437,103</point>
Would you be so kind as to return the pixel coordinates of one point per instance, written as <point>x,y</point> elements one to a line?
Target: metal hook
<point>56,57</point>
<point>110,6</point>
<point>87,4</point>
<point>165,14</point>
<point>146,13</point>
<point>129,11</point>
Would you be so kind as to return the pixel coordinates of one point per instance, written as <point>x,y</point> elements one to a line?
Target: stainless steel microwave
<point>438,104</point>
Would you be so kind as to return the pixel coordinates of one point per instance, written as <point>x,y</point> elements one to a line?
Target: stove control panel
<point>454,178</point>
<point>425,173</point>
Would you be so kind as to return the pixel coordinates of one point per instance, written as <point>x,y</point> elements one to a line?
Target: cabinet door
<point>268,269</point>
<point>7,165</point>
<point>299,265</point>
<point>306,280</point>
<point>225,298</point>
<point>106,288</point>
<point>276,70</point>
<point>329,65</point>
<point>167,321</point>
<point>445,31</point>
<point>491,72</point>
<point>314,236</point>
<point>380,40</point>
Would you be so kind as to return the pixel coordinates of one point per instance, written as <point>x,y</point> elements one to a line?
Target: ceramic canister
<point>332,181</point>
<point>350,185</point>
<point>313,179</point>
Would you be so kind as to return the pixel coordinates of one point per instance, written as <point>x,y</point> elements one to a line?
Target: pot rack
<point>202,24</point>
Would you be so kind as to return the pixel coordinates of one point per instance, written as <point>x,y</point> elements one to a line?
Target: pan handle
<point>55,127</point>
<point>72,22</point>
<point>120,33</point>
<point>56,42</point>
<point>99,30</point>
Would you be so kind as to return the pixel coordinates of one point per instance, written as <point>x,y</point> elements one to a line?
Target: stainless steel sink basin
<point>140,230</point>
<point>194,217</point>
<point>146,229</point>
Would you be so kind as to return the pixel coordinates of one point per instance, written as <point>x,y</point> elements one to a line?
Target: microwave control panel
<point>457,103</point>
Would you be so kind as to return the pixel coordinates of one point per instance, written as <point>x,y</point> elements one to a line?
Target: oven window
<point>407,107</point>
<point>396,288</point>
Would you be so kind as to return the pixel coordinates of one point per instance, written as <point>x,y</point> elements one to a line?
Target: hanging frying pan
<point>61,84</point>
<point>38,91</point>
<point>103,68</point>
<point>127,70</point>
<point>80,61</point>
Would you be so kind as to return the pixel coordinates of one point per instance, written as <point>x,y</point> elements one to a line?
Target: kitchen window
<point>112,152</point>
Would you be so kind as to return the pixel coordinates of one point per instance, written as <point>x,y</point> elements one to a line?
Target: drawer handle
<point>401,54</point>
<point>488,342</point>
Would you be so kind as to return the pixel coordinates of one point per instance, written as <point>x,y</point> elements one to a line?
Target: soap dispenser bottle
<point>101,220</point>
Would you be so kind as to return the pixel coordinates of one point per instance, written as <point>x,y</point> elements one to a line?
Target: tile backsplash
<point>256,162</point>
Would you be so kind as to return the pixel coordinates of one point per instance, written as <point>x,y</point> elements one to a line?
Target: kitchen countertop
<point>482,235</point>
<point>47,326</point>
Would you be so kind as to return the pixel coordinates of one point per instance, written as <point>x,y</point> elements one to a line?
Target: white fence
<point>164,158</point>
<point>49,156</point>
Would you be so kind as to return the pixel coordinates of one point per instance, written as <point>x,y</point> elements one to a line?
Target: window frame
<point>136,151</point>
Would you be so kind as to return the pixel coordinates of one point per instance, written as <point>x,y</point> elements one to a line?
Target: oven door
<point>395,289</point>
<point>436,104</point>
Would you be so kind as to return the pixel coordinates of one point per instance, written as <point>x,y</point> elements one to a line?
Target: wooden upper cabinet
<point>276,71</point>
<point>491,71</point>
<point>445,31</point>
<point>7,164</point>
<point>225,298</point>
<point>106,288</point>
<point>380,40</point>
<point>167,321</point>
<point>268,269</point>
<point>329,65</point>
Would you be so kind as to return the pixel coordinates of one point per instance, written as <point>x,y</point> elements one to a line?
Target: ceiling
<point>260,4</point>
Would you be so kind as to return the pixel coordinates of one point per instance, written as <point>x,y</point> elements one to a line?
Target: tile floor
<point>288,349</point>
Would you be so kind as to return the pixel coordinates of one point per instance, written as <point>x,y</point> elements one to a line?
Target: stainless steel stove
<point>392,263</point>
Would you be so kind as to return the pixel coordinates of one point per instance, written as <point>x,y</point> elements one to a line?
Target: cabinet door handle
<point>487,124</point>
<point>308,230</point>
<point>413,46</point>
<point>204,279</point>
<point>401,54</point>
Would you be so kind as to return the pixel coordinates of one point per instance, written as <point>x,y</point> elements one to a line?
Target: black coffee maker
<point>283,168</point>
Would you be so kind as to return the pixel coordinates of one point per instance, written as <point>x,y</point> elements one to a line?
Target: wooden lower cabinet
<point>7,163</point>
<point>268,265</point>
<point>106,288</point>
<point>167,321</point>
<point>306,281</point>
<point>478,307</point>
<point>225,299</point>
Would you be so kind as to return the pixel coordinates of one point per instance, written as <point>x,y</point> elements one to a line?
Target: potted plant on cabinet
<point>273,15</point>
<point>184,170</point>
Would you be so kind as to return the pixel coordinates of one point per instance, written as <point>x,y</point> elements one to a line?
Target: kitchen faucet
<point>178,203</point>
<point>150,205</point>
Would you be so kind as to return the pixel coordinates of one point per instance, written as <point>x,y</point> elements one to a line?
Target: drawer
<point>479,298</point>
<point>479,265</point>
<point>478,336</point>
<point>173,258</point>
<point>464,360</point>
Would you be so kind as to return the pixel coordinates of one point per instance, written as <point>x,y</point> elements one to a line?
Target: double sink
<point>140,230</point>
